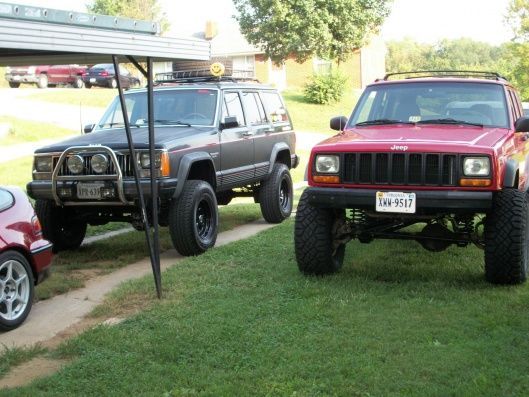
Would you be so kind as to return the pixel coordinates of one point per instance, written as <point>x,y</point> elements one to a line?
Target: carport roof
<point>37,36</point>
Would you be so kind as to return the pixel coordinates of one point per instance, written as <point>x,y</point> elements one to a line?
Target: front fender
<point>509,176</point>
<point>185,165</point>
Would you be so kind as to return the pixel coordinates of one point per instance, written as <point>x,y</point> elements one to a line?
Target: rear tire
<point>18,288</point>
<point>507,238</point>
<point>78,83</point>
<point>113,83</point>
<point>193,219</point>
<point>88,85</point>
<point>313,239</point>
<point>276,195</point>
<point>43,81</point>
<point>13,84</point>
<point>59,226</point>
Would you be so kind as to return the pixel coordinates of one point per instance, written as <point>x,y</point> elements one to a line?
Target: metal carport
<point>37,35</point>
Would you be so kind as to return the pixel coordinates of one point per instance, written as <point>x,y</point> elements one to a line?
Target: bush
<point>325,88</point>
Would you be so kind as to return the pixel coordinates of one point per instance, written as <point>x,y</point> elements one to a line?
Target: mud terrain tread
<point>506,238</point>
<point>312,239</point>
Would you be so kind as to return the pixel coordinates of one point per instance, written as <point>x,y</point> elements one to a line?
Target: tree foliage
<point>148,10</point>
<point>328,29</point>
<point>518,51</point>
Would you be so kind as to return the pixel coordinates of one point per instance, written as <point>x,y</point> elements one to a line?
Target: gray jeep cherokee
<point>215,140</point>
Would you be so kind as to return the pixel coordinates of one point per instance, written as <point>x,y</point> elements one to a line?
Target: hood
<point>166,137</point>
<point>446,138</point>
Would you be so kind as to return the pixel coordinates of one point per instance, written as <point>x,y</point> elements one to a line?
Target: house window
<point>244,66</point>
<point>321,66</point>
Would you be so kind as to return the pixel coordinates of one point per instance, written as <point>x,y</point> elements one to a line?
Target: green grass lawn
<point>97,97</point>
<point>241,320</point>
<point>22,131</point>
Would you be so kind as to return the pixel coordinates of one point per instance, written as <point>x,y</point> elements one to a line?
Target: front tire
<point>17,288</point>
<point>276,195</point>
<point>13,84</point>
<point>507,238</point>
<point>313,240</point>
<point>193,219</point>
<point>59,226</point>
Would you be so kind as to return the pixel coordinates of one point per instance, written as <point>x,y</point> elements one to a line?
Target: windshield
<point>187,107</point>
<point>477,104</point>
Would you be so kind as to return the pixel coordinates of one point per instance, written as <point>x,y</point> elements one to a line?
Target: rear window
<point>6,200</point>
<point>275,110</point>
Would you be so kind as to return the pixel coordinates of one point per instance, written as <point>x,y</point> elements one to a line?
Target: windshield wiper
<point>382,122</point>
<point>172,122</point>
<point>120,124</point>
<point>449,121</point>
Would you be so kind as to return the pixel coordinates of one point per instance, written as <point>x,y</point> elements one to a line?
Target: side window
<point>253,108</point>
<point>6,200</point>
<point>232,107</point>
<point>514,110</point>
<point>275,110</point>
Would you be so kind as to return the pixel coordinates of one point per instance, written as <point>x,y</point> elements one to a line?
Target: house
<point>362,67</point>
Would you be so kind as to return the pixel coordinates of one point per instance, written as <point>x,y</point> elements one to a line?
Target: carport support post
<point>155,265</point>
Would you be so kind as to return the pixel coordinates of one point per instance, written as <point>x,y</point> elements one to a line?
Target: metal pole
<point>134,162</point>
<point>154,180</point>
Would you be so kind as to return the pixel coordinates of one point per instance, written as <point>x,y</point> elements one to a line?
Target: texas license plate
<point>89,191</point>
<point>92,80</point>
<point>396,202</point>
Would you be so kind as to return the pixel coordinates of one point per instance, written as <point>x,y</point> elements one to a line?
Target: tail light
<point>103,73</point>
<point>35,224</point>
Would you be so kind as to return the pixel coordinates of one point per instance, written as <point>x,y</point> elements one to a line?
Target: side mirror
<point>229,122</point>
<point>338,123</point>
<point>522,125</point>
<point>88,128</point>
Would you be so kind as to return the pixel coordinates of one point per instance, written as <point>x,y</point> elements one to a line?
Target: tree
<point>518,51</point>
<point>136,9</point>
<point>328,29</point>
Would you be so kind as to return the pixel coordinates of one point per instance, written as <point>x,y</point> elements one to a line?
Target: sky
<point>423,20</point>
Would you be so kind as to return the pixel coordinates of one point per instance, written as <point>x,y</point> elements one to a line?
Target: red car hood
<point>432,138</point>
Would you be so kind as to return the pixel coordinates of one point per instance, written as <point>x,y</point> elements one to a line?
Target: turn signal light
<point>475,182</point>
<point>165,168</point>
<point>326,178</point>
<point>35,224</point>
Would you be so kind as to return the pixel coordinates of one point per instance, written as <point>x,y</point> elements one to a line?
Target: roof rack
<point>448,73</point>
<point>203,75</point>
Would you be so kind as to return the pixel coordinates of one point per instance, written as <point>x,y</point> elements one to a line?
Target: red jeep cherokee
<point>445,150</point>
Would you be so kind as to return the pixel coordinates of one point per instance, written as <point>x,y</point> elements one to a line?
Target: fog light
<point>107,192</point>
<point>99,163</point>
<point>75,164</point>
<point>65,192</point>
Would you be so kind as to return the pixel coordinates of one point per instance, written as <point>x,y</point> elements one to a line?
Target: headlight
<point>145,160</point>
<point>476,166</point>
<point>43,163</point>
<point>99,163</point>
<point>327,164</point>
<point>75,164</point>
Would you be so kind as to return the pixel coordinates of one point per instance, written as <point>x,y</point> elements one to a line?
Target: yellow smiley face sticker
<point>217,69</point>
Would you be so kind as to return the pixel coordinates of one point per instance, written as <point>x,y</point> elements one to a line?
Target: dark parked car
<point>215,140</point>
<point>104,75</point>
<point>25,257</point>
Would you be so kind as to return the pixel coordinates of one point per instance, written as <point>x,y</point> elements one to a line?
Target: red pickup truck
<point>45,76</point>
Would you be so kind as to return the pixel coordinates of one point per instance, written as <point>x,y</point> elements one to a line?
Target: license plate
<point>399,202</point>
<point>16,78</point>
<point>89,191</point>
<point>92,80</point>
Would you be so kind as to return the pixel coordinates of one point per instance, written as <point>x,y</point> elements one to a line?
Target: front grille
<point>400,169</point>
<point>123,160</point>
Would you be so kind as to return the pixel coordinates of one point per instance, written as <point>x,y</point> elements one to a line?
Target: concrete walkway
<point>48,318</point>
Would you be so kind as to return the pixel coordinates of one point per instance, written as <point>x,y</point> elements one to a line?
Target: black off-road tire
<point>276,195</point>
<point>43,81</point>
<point>313,239</point>
<point>507,238</point>
<point>59,227</point>
<point>14,84</point>
<point>194,219</point>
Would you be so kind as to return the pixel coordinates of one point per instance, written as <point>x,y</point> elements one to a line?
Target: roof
<point>440,80</point>
<point>36,35</point>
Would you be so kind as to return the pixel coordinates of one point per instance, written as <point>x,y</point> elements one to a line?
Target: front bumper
<point>428,201</point>
<point>22,78</point>
<point>43,190</point>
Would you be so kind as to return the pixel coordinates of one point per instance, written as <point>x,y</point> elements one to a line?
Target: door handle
<point>248,133</point>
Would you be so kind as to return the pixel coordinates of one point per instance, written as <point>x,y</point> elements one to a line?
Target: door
<point>236,144</point>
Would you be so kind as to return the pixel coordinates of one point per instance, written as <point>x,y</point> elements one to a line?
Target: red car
<point>25,257</point>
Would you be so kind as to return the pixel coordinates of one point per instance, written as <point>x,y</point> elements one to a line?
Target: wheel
<point>193,219</point>
<point>113,83</point>
<point>507,238</point>
<point>43,81</point>
<point>276,195</point>
<point>16,289</point>
<point>313,242</point>
<point>78,83</point>
<point>59,226</point>
<point>14,84</point>
<point>88,85</point>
